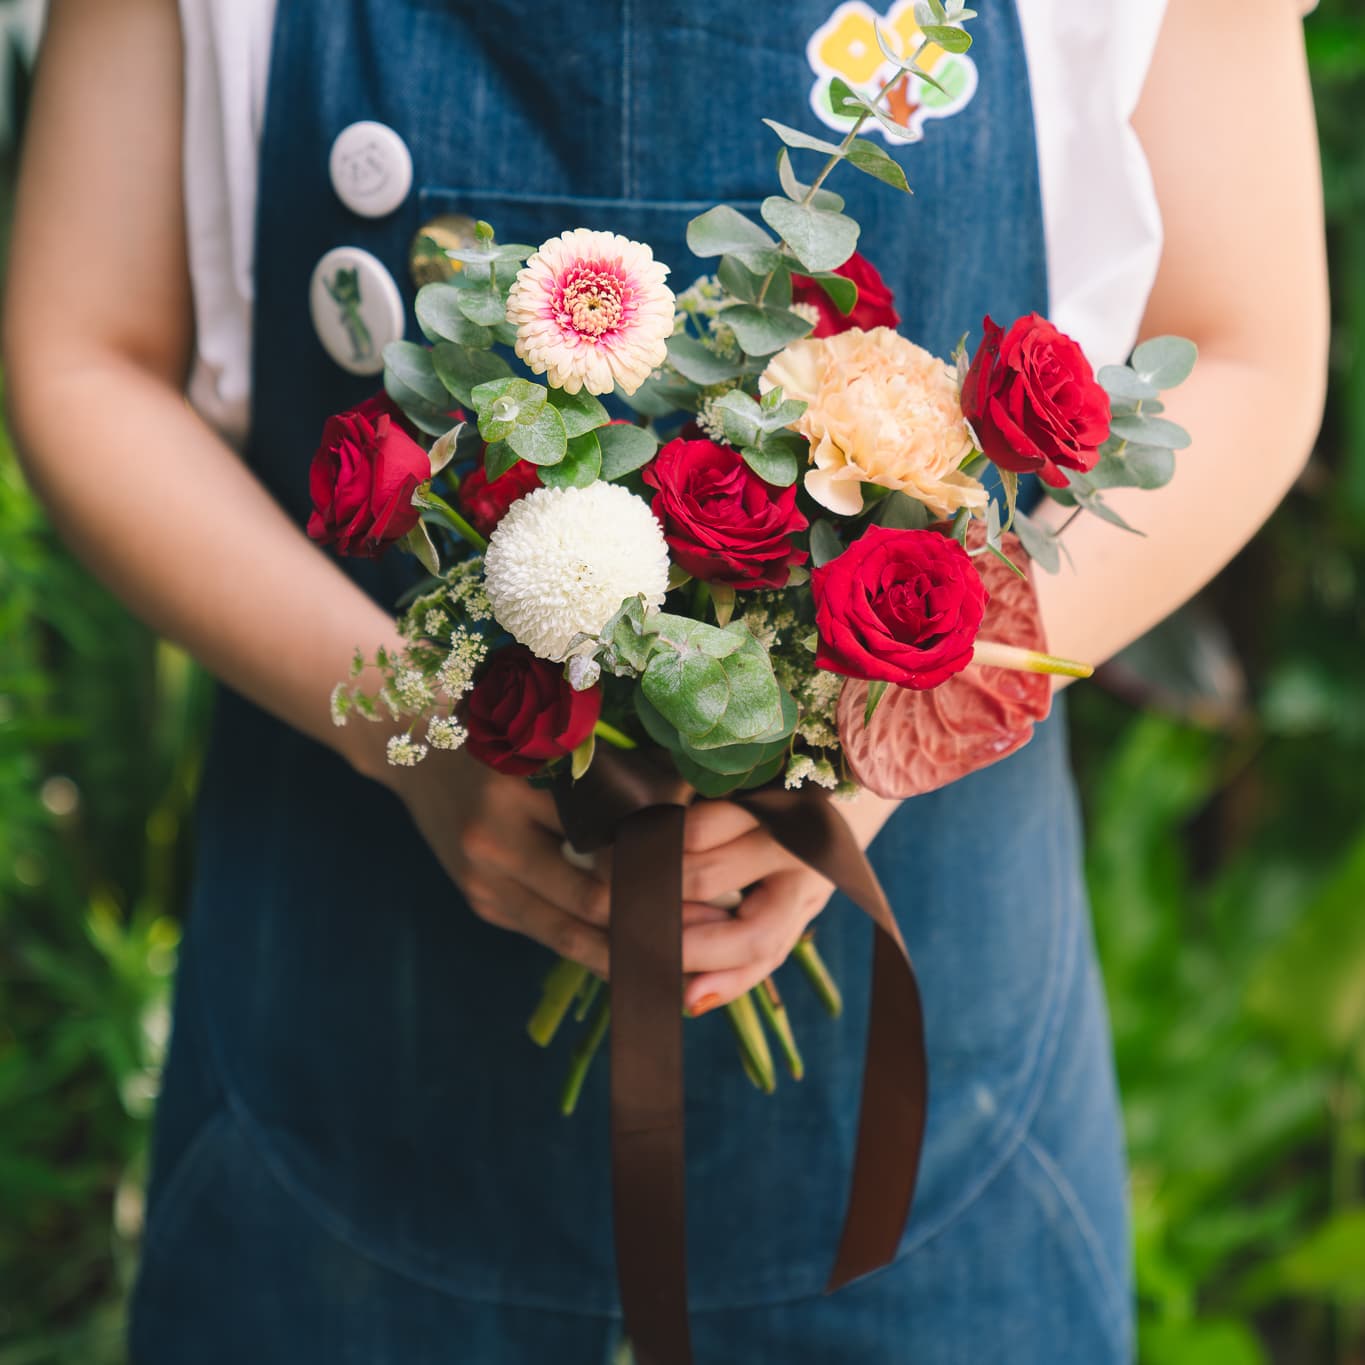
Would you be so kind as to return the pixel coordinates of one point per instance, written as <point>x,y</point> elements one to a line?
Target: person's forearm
<point>173,521</point>
<point>1250,440</point>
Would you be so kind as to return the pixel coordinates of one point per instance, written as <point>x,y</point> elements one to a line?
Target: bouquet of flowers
<point>798,568</point>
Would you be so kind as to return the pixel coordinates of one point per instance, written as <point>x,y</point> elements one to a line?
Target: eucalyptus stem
<point>775,1015</point>
<point>456,522</point>
<point>616,738</point>
<point>583,1055</point>
<point>753,1043</point>
<point>562,984</point>
<point>834,159</point>
<point>808,958</point>
<point>1075,512</point>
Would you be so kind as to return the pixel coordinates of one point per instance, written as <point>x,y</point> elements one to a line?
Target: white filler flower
<point>562,560</point>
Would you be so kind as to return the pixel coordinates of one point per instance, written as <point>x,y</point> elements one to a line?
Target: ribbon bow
<point>635,802</point>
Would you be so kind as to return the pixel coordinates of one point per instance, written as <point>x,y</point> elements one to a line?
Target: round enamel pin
<point>357,309</point>
<point>371,169</point>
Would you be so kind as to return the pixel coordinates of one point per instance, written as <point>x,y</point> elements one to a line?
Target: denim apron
<point>359,1156</point>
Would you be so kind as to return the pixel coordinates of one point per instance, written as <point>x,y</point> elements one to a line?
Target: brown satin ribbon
<point>634,801</point>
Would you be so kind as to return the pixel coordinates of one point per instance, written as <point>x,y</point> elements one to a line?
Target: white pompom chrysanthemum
<point>562,560</point>
<point>592,311</point>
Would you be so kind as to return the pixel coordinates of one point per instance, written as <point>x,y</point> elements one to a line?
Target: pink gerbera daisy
<point>592,311</point>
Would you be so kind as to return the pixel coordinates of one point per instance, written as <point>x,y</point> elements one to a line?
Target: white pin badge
<point>357,309</point>
<point>371,169</point>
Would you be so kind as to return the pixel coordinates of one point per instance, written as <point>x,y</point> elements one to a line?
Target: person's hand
<point>726,852</point>
<point>500,840</point>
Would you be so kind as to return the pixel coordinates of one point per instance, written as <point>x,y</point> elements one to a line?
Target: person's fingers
<point>715,872</point>
<point>532,856</point>
<point>507,904</point>
<point>724,961</point>
<point>539,805</point>
<point>709,824</point>
<point>695,913</point>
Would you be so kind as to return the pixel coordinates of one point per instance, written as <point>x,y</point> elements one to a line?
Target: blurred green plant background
<point>1223,770</point>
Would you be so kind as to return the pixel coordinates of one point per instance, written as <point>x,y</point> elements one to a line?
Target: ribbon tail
<point>648,1192</point>
<point>895,1095</point>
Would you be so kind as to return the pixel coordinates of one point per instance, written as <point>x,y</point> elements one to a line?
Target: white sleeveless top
<point>1102,224</point>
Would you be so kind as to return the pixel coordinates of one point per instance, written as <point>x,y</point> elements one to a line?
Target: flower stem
<point>613,736</point>
<point>753,1043</point>
<point>456,522</point>
<point>583,1056</point>
<point>808,958</point>
<point>587,998</point>
<point>834,159</point>
<point>775,1015</point>
<point>562,984</point>
<point>701,598</point>
<point>992,654</point>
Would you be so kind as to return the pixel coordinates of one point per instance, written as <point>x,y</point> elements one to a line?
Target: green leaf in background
<point>824,543</point>
<point>1165,362</point>
<point>723,231</point>
<point>461,369</point>
<point>761,330</point>
<point>818,239</point>
<point>625,448</point>
<point>1329,1263</point>
<point>1201,1341</point>
<point>581,465</point>
<point>794,137</point>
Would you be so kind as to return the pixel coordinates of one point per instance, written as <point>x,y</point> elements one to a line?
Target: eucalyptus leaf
<point>498,458</point>
<point>699,363</point>
<point>1165,361</point>
<point>441,318</point>
<point>413,367</point>
<point>818,239</point>
<point>482,307</point>
<point>1039,544</point>
<point>418,542</point>
<point>824,543</point>
<point>900,512</point>
<point>947,37</point>
<point>843,292</point>
<point>542,440</point>
<point>1152,431</point>
<point>580,466</point>
<point>1123,383</point>
<point>427,417</point>
<point>624,448</point>
<point>794,137</point>
<point>461,369</point>
<point>875,161</point>
<point>581,411</point>
<point>761,330</point>
<point>738,281</point>
<point>844,99</point>
<point>774,465</point>
<point>659,396</point>
<point>724,231</point>
<point>802,193</point>
<point>1133,466</point>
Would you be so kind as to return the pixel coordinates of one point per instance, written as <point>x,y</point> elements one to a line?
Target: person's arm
<point>1226,120</point>
<point>98,334</point>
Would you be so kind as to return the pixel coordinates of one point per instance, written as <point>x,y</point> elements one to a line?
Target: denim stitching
<point>1115,1310</point>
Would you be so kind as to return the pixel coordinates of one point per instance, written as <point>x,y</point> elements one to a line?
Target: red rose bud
<point>362,480</point>
<point>723,523</point>
<point>876,307</point>
<point>485,503</point>
<point>1032,399</point>
<point>521,713</point>
<point>898,606</point>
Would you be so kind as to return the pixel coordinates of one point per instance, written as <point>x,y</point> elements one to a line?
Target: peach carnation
<point>592,311</point>
<point>880,410</point>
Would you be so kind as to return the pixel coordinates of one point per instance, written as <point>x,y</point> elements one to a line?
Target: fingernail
<point>705,1005</point>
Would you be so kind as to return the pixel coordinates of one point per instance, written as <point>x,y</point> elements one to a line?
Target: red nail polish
<point>705,1005</point>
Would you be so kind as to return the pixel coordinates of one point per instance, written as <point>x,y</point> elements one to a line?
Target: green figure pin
<point>344,287</point>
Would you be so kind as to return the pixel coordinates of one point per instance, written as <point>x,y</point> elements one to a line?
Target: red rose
<point>485,502</point>
<point>898,606</point>
<point>876,306</point>
<point>521,713</point>
<point>722,522</point>
<point>362,480</point>
<point>1032,398</point>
